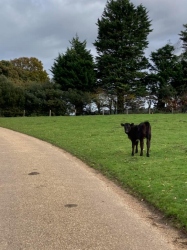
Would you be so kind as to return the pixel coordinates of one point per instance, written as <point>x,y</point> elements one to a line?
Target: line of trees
<point>119,77</point>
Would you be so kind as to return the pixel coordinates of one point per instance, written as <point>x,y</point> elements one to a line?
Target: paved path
<point>49,200</point>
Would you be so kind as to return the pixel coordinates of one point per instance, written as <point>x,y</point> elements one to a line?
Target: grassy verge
<point>100,141</point>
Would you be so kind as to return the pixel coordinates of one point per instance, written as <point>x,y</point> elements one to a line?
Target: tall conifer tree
<point>75,68</point>
<point>121,41</point>
<point>74,71</point>
<point>183,37</point>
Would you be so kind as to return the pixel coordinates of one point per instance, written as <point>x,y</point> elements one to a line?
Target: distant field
<point>100,141</point>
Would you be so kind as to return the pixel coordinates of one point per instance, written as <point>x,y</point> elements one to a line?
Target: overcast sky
<point>43,28</point>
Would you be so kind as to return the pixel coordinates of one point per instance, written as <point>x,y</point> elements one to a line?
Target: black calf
<point>138,133</point>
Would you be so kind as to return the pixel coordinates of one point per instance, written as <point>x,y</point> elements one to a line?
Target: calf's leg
<point>141,147</point>
<point>133,145</point>
<point>148,146</point>
<point>136,147</point>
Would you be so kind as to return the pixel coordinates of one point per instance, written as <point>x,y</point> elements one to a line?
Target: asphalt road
<point>49,200</point>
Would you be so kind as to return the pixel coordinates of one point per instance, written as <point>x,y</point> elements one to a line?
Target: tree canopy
<point>12,98</point>
<point>74,71</point>
<point>75,68</point>
<point>30,69</point>
<point>24,70</point>
<point>183,37</point>
<point>121,41</point>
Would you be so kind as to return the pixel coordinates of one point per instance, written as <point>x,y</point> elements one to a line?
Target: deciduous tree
<point>30,69</point>
<point>24,70</point>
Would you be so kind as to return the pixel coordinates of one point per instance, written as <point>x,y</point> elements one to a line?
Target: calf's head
<point>127,127</point>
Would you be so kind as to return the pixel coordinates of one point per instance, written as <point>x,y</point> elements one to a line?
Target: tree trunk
<point>79,109</point>
<point>120,102</point>
<point>149,106</point>
<point>98,107</point>
<point>161,105</point>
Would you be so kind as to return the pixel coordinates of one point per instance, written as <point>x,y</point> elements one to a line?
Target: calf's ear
<point>132,124</point>
<point>122,124</point>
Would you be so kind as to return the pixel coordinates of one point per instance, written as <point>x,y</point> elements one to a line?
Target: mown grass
<point>100,141</point>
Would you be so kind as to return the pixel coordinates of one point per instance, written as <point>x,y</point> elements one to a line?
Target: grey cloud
<point>43,28</point>
<point>168,17</point>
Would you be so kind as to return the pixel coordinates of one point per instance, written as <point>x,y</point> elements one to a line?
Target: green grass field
<point>160,179</point>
